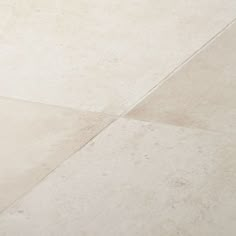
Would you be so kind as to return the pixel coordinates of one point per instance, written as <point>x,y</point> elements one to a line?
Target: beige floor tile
<point>202,94</point>
<point>34,139</point>
<point>100,55</point>
<point>136,179</point>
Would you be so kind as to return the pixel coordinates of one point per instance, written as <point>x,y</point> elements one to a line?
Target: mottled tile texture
<point>35,139</point>
<point>136,178</point>
<point>96,139</point>
<point>100,55</point>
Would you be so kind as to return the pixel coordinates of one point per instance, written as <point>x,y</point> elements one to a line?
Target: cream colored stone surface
<point>202,94</point>
<point>34,139</point>
<point>100,55</point>
<point>136,179</point>
<point>163,167</point>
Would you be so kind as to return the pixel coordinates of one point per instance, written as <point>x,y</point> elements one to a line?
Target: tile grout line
<point>176,69</point>
<point>115,117</point>
<point>56,167</point>
<point>180,66</point>
<point>55,106</point>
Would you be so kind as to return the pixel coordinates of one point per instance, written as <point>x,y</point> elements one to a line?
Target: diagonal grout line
<point>180,66</point>
<point>119,116</point>
<point>56,167</point>
<point>211,40</point>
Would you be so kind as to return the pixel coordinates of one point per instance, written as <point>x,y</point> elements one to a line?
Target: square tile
<point>100,55</point>
<point>136,178</point>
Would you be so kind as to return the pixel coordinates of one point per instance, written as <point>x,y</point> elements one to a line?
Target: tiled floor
<point>118,118</point>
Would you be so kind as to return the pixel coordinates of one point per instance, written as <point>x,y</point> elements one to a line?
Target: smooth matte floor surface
<point>117,118</point>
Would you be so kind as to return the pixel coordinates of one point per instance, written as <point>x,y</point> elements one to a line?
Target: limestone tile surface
<point>136,179</point>
<point>100,55</point>
<point>202,94</point>
<point>34,139</point>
